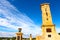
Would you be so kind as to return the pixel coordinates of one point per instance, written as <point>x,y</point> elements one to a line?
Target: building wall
<point>56,37</point>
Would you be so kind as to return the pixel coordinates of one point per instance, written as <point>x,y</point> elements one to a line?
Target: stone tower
<point>19,34</point>
<point>48,28</point>
<point>30,36</point>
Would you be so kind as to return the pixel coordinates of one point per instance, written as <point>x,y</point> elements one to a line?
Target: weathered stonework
<point>48,28</point>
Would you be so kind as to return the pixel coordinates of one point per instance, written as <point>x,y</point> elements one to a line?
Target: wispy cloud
<point>57,29</point>
<point>12,19</point>
<point>7,34</point>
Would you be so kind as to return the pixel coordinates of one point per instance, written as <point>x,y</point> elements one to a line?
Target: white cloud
<point>7,34</point>
<point>11,18</point>
<point>58,30</point>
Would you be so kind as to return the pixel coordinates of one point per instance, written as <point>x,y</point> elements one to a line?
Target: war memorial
<point>48,28</point>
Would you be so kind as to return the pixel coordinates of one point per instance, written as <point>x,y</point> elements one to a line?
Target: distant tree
<point>13,38</point>
<point>59,33</point>
<point>8,38</point>
<point>34,39</point>
<point>0,38</point>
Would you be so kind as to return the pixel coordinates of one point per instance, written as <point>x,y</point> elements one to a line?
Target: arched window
<point>46,14</point>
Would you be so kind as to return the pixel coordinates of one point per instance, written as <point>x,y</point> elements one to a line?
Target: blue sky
<point>25,14</point>
<point>32,9</point>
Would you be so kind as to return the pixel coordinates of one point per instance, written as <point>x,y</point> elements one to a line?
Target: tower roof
<point>44,4</point>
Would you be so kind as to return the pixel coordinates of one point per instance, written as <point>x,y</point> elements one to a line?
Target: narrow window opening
<point>46,13</point>
<point>47,19</point>
<point>18,37</point>
<point>48,30</point>
<point>49,35</point>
